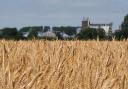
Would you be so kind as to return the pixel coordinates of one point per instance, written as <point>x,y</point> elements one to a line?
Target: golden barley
<point>40,64</point>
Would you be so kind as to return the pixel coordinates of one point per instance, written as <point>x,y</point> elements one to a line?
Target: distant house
<point>40,34</point>
<point>106,26</point>
<point>48,34</point>
<point>25,34</point>
<point>64,35</point>
<point>78,30</point>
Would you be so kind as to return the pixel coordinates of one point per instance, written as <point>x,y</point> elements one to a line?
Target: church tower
<point>85,23</point>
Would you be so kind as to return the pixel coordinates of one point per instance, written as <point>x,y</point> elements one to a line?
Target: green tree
<point>8,33</point>
<point>124,30</point>
<point>59,36</point>
<point>33,33</point>
<point>101,34</point>
<point>27,29</point>
<point>118,35</point>
<point>123,33</point>
<point>20,36</point>
<point>66,29</point>
<point>46,28</point>
<point>24,29</point>
<point>87,34</point>
<point>125,23</point>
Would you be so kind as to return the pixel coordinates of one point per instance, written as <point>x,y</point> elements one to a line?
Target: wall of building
<point>106,27</point>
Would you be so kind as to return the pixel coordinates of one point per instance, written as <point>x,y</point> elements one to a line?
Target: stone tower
<point>85,23</point>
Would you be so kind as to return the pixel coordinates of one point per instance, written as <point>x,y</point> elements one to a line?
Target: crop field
<point>39,64</point>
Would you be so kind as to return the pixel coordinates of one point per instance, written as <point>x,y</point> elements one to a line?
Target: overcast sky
<point>19,13</point>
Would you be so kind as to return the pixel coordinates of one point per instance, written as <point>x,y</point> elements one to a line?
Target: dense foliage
<point>91,33</point>
<point>8,33</point>
<point>123,32</point>
<point>68,29</point>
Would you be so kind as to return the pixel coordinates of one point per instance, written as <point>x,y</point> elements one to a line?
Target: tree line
<point>32,31</point>
<point>84,34</point>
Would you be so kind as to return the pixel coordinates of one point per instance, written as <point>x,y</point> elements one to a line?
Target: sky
<point>20,13</point>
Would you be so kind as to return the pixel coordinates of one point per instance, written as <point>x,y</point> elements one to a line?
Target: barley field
<point>39,64</point>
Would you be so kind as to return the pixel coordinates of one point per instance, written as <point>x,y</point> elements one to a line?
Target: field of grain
<point>63,64</point>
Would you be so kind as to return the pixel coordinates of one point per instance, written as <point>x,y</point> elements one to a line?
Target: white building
<point>78,30</point>
<point>106,26</point>
<point>25,34</point>
<point>64,35</point>
<point>48,34</point>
